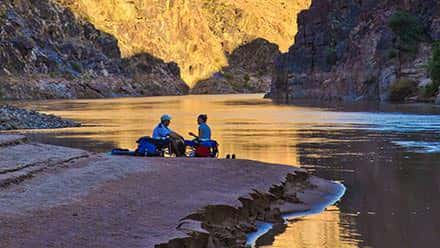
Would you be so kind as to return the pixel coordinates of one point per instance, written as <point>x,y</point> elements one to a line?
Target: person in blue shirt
<point>162,130</point>
<point>204,130</point>
<point>164,137</point>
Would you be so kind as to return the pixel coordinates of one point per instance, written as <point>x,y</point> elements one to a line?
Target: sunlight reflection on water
<point>256,128</point>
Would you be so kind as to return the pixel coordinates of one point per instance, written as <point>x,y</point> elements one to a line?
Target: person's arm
<point>174,134</point>
<point>193,134</point>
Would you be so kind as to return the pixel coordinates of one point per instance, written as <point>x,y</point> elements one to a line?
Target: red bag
<point>203,151</point>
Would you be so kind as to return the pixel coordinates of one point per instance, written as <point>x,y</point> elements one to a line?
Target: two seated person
<point>163,136</point>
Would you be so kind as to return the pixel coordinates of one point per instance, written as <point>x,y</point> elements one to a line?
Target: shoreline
<point>266,227</point>
<point>13,118</point>
<point>102,199</point>
<point>339,105</point>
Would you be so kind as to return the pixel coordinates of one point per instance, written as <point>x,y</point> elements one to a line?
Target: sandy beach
<point>55,196</point>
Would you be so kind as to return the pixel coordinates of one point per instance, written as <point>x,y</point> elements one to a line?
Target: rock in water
<point>12,118</point>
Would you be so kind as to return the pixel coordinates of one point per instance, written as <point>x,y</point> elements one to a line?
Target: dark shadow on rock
<point>358,56</point>
<point>46,52</point>
<point>249,71</point>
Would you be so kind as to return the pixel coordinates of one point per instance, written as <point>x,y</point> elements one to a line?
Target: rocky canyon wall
<point>249,70</point>
<point>196,34</point>
<point>47,52</point>
<point>361,50</point>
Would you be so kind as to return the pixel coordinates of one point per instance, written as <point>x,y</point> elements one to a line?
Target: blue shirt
<point>204,132</point>
<point>161,132</point>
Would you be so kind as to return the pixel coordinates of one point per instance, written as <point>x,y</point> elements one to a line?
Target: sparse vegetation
<point>430,90</point>
<point>247,85</point>
<point>2,95</point>
<point>434,71</point>
<point>2,17</point>
<point>330,55</point>
<point>53,74</point>
<point>76,66</point>
<point>228,76</point>
<point>408,30</point>
<point>246,78</point>
<point>401,89</point>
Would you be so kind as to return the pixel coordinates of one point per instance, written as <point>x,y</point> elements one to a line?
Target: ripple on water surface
<point>364,148</point>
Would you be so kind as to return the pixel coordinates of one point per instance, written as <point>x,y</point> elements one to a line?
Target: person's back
<point>161,132</point>
<point>204,132</point>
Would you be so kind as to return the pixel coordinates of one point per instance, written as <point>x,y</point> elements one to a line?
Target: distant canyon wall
<point>361,50</point>
<point>250,68</point>
<point>196,34</point>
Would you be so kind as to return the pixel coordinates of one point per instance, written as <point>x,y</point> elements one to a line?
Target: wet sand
<point>96,200</point>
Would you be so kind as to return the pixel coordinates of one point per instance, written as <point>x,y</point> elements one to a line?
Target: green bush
<point>76,66</point>
<point>401,89</point>
<point>409,31</point>
<point>434,68</point>
<point>430,90</point>
<point>2,95</point>
<point>228,76</point>
<point>2,16</point>
<point>53,74</point>
<point>247,85</point>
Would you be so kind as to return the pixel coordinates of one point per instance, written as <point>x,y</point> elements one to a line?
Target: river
<point>388,156</point>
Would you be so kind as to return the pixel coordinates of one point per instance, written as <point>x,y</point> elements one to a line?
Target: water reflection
<point>392,193</point>
<point>325,230</point>
<point>262,132</point>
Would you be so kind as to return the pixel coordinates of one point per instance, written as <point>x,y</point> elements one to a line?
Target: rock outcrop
<point>250,71</point>
<point>12,118</point>
<point>196,34</point>
<point>359,50</point>
<point>47,52</point>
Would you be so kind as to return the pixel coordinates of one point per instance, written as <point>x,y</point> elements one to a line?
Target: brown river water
<point>387,156</point>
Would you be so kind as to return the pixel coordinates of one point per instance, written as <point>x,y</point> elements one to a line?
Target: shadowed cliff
<point>46,52</point>
<point>362,50</point>
<point>249,71</point>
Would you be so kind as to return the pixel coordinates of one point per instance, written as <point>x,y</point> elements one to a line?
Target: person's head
<point>202,119</point>
<point>165,120</point>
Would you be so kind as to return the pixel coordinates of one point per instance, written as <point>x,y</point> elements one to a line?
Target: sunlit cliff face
<point>193,33</point>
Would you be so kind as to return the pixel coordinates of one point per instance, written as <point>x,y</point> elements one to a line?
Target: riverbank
<point>64,197</point>
<point>12,118</point>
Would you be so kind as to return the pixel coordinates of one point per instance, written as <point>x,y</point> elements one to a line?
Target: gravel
<point>12,118</point>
